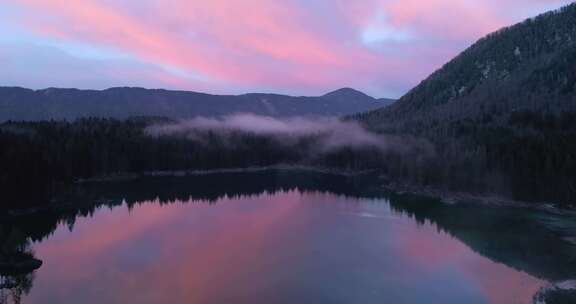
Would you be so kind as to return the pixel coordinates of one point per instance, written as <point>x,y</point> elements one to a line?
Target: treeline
<point>525,155</point>
<point>38,159</point>
<point>531,157</point>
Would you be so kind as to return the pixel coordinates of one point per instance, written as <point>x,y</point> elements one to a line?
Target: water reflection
<point>17,264</point>
<point>285,237</point>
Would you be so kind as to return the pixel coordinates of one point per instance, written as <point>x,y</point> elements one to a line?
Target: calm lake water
<point>275,237</point>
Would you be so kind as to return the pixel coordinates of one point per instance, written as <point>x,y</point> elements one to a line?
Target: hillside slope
<point>530,66</point>
<point>501,115</point>
<point>25,104</point>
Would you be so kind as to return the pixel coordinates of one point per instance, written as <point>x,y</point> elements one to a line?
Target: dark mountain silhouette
<point>25,104</point>
<point>502,114</point>
<point>346,94</point>
<point>530,66</point>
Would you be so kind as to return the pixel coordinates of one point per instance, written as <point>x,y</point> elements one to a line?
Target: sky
<point>297,47</point>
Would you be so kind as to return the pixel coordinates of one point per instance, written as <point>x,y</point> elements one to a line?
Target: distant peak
<point>346,93</point>
<point>126,89</point>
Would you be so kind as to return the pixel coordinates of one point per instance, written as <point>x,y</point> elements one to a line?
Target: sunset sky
<point>299,47</point>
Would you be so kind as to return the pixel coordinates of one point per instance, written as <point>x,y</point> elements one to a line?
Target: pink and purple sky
<point>299,47</point>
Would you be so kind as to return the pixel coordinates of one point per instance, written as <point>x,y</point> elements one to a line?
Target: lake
<point>284,237</point>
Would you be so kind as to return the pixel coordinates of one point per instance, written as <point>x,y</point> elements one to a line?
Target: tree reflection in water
<point>17,265</point>
<point>533,241</point>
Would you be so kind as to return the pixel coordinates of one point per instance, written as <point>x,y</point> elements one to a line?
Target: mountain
<point>347,94</point>
<point>528,67</point>
<point>501,116</point>
<point>353,96</point>
<point>25,104</point>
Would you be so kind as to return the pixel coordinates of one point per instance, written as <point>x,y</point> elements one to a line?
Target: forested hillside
<point>530,66</point>
<point>507,105</point>
<point>121,103</point>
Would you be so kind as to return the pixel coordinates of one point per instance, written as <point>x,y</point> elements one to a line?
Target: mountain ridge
<point>19,103</point>
<point>501,116</point>
<point>527,66</point>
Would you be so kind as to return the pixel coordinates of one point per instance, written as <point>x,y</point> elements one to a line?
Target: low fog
<point>253,140</point>
<point>331,133</point>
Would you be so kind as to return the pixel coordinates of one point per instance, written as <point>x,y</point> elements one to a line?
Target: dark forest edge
<point>41,160</point>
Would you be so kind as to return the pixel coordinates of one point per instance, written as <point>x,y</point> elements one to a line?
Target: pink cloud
<point>438,17</point>
<point>292,45</point>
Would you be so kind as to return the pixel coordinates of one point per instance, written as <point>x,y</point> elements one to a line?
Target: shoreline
<point>460,197</point>
<point>447,197</point>
<point>184,173</point>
